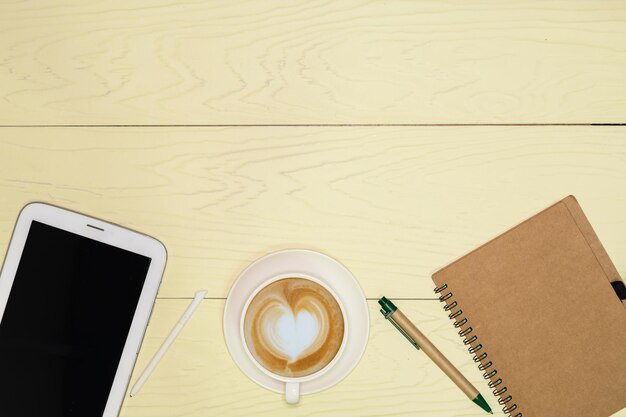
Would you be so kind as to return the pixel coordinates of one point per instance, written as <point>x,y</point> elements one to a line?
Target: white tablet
<point>76,294</point>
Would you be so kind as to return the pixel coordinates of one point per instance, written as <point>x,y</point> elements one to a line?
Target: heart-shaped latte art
<point>293,327</point>
<point>292,334</point>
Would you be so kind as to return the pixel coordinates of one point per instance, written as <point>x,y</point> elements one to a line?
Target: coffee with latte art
<point>294,327</point>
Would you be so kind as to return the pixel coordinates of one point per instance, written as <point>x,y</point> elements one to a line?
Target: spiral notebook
<point>538,311</point>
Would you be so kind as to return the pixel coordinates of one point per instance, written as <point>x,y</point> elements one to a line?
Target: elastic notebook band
<point>450,306</point>
<point>620,289</point>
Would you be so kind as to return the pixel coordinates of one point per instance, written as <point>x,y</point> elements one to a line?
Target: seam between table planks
<point>313,125</point>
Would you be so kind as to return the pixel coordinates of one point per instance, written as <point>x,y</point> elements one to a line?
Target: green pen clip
<point>388,308</point>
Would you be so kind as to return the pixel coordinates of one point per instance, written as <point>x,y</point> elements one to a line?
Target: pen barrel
<point>435,355</point>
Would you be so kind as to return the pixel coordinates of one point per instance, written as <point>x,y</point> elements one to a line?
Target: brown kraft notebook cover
<point>547,328</point>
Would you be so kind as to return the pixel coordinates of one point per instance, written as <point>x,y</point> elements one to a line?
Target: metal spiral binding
<point>476,349</point>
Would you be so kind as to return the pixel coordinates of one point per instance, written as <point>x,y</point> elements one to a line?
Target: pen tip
<point>480,401</point>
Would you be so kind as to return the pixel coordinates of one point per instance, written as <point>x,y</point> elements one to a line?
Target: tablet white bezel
<point>107,233</point>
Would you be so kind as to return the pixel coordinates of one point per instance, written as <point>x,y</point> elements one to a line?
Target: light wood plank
<point>392,204</point>
<point>355,61</point>
<point>199,378</point>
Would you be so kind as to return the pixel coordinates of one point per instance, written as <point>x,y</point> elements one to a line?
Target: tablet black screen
<point>65,324</point>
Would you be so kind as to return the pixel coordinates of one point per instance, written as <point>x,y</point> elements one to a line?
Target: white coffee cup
<point>292,384</point>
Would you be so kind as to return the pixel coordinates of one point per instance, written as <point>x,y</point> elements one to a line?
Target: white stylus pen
<point>168,342</point>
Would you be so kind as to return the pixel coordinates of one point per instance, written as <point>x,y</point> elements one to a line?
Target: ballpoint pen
<point>417,339</point>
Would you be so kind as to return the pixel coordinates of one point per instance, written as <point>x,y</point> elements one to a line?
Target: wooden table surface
<point>394,136</point>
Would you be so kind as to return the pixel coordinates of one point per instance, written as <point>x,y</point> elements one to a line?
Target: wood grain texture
<point>198,377</point>
<point>391,203</point>
<point>355,61</point>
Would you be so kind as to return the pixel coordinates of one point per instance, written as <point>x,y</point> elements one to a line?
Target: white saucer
<point>310,263</point>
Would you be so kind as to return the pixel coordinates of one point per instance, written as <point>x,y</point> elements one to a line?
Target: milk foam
<point>292,335</point>
<point>293,327</point>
